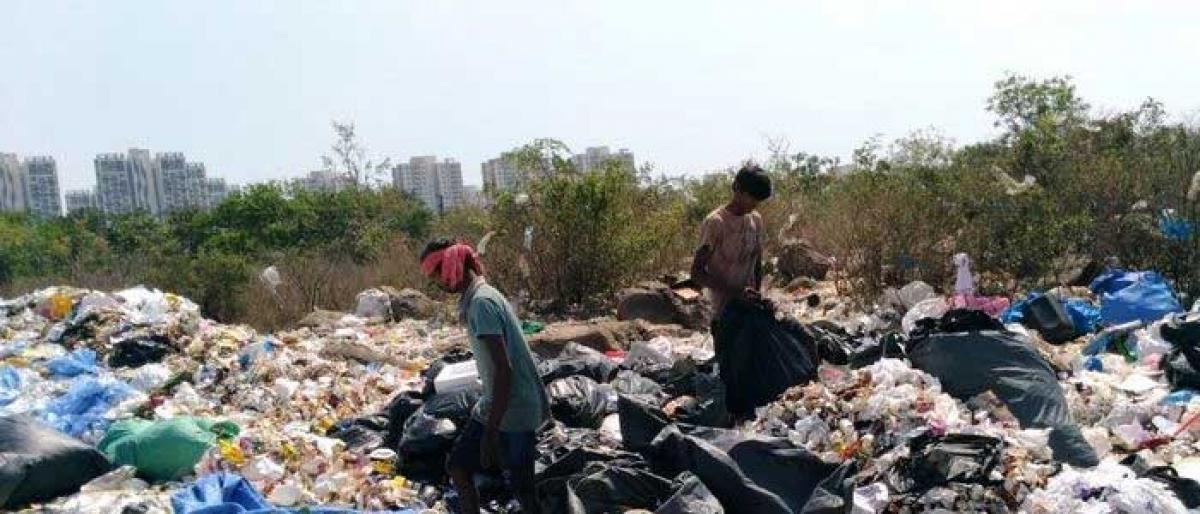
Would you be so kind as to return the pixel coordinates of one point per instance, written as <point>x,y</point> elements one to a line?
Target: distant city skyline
<point>690,86</point>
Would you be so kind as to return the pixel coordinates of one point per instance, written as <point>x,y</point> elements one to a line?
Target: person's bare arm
<point>502,379</point>
<point>501,392</point>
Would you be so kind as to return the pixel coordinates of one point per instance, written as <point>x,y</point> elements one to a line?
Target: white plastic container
<point>457,377</point>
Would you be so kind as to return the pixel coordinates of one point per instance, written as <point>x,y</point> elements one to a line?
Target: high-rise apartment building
<point>41,187</point>
<point>595,157</point>
<point>12,183</point>
<point>436,184</point>
<point>146,181</point>
<point>114,184</point>
<point>323,180</point>
<point>215,192</point>
<point>182,183</point>
<point>157,185</point>
<point>81,200</point>
<point>197,191</point>
<point>501,174</point>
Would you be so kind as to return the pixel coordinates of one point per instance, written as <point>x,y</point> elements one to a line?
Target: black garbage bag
<point>631,383</point>
<point>833,342</point>
<point>970,363</point>
<point>1186,489</point>
<point>603,488</point>
<point>361,434</point>
<point>39,464</point>
<point>135,353</point>
<point>835,494</point>
<point>640,422</point>
<point>579,402</point>
<point>780,467</point>
<point>555,467</point>
<point>673,452</point>
<point>398,411</point>
<point>430,433</point>
<point>1182,366</point>
<point>690,497</point>
<point>591,364</point>
<point>957,320</point>
<point>759,357</point>
<point>455,406</point>
<point>1048,317</point>
<point>872,349</point>
<point>938,461</point>
<point>1182,330</point>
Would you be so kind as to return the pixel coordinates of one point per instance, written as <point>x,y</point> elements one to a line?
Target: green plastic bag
<point>163,450</point>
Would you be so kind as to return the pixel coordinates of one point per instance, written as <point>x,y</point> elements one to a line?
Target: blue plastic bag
<point>227,493</point>
<point>1128,296</point>
<point>1084,315</point>
<point>82,408</point>
<point>10,385</point>
<point>73,364</point>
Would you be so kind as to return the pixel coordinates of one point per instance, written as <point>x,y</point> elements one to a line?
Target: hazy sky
<point>249,87</point>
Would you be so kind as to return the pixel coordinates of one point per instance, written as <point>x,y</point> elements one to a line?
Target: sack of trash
<point>38,464</point>
<point>760,356</point>
<point>165,449</point>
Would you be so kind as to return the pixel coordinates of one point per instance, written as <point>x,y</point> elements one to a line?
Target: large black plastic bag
<point>603,488</point>
<point>640,422</point>
<point>579,402</point>
<point>1182,367</point>
<point>361,434</point>
<point>672,453</point>
<point>690,496</point>
<point>833,342</point>
<point>873,349</point>
<point>576,360</point>
<point>760,357</point>
<point>38,463</point>
<point>402,407</point>
<point>135,353</point>
<point>970,363</point>
<point>835,494</point>
<point>937,461</point>
<point>427,439</point>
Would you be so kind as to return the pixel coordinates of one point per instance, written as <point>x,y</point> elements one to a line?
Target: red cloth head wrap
<point>452,260</point>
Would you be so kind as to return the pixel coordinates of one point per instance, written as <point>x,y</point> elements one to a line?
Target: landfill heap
<point>1069,401</point>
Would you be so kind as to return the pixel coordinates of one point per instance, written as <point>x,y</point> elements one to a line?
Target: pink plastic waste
<point>992,305</point>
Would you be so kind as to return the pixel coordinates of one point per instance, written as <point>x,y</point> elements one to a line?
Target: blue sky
<point>249,87</point>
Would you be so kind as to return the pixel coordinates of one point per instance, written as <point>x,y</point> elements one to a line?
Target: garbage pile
<point>1061,401</point>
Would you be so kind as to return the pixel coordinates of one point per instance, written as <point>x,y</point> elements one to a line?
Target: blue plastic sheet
<point>1128,296</point>
<point>10,385</point>
<point>82,408</point>
<point>73,364</point>
<point>227,493</point>
<point>1085,316</point>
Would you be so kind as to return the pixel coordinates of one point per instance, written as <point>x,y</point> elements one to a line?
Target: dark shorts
<point>517,452</point>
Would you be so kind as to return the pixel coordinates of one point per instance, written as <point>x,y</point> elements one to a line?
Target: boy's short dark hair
<point>753,181</point>
<point>435,246</point>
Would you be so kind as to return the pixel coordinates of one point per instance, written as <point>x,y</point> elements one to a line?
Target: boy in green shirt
<point>504,423</point>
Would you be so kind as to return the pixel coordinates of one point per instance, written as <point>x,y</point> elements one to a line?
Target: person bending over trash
<point>504,423</point>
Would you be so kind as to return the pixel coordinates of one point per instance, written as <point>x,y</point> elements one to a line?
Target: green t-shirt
<point>487,312</point>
